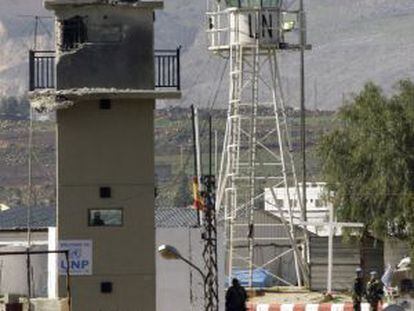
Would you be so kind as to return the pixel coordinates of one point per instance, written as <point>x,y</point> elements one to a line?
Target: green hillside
<point>173,149</point>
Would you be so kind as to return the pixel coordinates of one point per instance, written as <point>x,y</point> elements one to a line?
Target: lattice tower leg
<point>252,157</point>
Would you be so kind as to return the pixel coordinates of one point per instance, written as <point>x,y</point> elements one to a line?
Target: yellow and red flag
<point>198,200</point>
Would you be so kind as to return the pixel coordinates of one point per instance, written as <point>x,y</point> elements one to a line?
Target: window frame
<point>89,217</point>
<point>73,32</point>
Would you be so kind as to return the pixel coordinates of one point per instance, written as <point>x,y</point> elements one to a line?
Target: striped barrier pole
<point>308,307</point>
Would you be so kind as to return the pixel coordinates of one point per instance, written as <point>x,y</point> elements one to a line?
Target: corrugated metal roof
<point>16,218</point>
<point>175,217</point>
<point>44,217</point>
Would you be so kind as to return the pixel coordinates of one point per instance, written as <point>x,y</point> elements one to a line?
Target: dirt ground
<point>298,297</point>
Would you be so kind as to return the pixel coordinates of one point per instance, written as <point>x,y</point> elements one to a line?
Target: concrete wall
<point>13,278</point>
<point>118,52</point>
<point>110,148</point>
<point>19,237</point>
<point>13,272</point>
<point>177,284</point>
<point>347,256</point>
<point>394,251</point>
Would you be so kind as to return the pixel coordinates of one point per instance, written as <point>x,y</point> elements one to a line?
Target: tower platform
<point>51,99</point>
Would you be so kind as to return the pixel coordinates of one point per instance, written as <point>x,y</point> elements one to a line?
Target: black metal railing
<point>167,68</point>
<point>42,69</point>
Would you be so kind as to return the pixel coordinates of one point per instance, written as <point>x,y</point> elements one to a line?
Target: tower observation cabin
<point>268,23</point>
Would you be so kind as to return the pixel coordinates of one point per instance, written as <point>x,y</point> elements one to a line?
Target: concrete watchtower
<point>103,81</point>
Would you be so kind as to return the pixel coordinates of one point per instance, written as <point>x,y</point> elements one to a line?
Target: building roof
<point>44,217</point>
<point>176,217</point>
<point>16,218</point>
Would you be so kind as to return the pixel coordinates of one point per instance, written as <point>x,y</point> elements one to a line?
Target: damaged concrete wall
<point>115,52</point>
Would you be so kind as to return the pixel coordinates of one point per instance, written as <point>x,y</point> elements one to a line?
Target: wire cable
<point>204,124</point>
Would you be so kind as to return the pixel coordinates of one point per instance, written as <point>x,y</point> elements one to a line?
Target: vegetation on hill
<point>173,149</point>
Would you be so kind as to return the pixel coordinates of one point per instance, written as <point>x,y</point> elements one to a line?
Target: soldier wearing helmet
<point>358,290</point>
<point>374,291</point>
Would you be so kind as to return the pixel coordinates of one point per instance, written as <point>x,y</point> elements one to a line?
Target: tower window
<point>105,192</point>
<point>106,287</point>
<point>103,217</point>
<point>105,104</point>
<point>74,33</point>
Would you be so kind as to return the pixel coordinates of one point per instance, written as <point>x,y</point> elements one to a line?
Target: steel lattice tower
<point>257,152</point>
<point>211,285</point>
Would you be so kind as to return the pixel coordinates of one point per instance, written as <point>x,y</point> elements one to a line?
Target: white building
<point>4,207</point>
<point>317,205</point>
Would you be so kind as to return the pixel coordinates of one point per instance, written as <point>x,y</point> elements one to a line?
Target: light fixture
<point>171,253</point>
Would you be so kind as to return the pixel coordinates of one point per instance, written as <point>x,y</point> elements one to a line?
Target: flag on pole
<point>198,200</point>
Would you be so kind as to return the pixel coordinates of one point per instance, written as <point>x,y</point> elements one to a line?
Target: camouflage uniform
<point>358,293</point>
<point>374,293</point>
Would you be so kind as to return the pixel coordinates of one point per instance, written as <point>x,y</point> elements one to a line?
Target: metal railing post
<point>178,69</point>
<point>68,286</point>
<point>29,279</point>
<point>31,70</point>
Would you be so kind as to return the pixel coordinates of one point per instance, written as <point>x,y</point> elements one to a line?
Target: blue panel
<point>261,277</point>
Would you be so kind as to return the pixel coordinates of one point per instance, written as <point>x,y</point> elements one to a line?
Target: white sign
<point>252,25</point>
<point>80,257</point>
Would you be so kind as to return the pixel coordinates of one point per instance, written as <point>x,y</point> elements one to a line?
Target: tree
<point>368,161</point>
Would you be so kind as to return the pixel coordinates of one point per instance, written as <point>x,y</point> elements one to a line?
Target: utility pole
<point>197,158</point>
<point>303,115</point>
<point>209,234</point>
<point>206,191</point>
<point>35,32</point>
